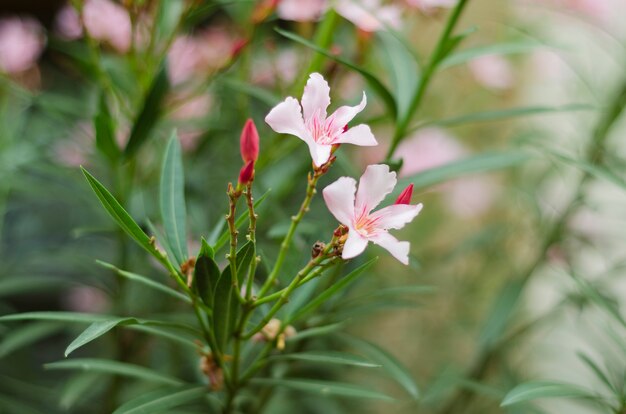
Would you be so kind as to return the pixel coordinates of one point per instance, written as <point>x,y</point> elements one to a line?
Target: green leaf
<point>503,307</point>
<point>121,217</point>
<point>93,331</point>
<point>172,199</point>
<point>322,388</point>
<point>488,161</point>
<point>402,66</point>
<point>176,336</point>
<point>57,316</point>
<point>169,14</point>
<point>105,131</point>
<point>597,171</point>
<point>224,237</point>
<point>79,388</point>
<point>508,113</point>
<point>225,302</point>
<point>545,389</point>
<point>328,357</point>
<point>316,331</point>
<point>394,368</point>
<point>107,366</point>
<point>597,371</point>
<point>162,400</point>
<point>371,79</point>
<point>146,282</point>
<point>206,275</point>
<point>331,291</point>
<point>149,114</point>
<point>26,335</point>
<point>509,48</point>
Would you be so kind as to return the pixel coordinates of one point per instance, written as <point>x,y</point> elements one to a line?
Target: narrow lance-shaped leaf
<point>225,302</point>
<point>121,217</point>
<point>105,131</point>
<point>149,114</point>
<point>206,275</point>
<point>396,370</point>
<point>162,400</point>
<point>509,48</point>
<point>107,366</point>
<point>323,388</point>
<point>545,389</point>
<point>404,71</point>
<point>172,199</point>
<point>331,291</point>
<point>329,357</point>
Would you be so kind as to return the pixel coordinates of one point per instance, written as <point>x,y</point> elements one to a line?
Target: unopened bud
<point>249,142</point>
<point>405,195</point>
<point>246,174</point>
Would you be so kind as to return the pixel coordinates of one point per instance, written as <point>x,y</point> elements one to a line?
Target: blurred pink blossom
<point>428,148</point>
<point>301,11</point>
<point>21,42</point>
<point>199,54</point>
<point>370,15</point>
<point>67,23</point>
<point>282,68</point>
<point>108,22</point>
<point>191,110</point>
<point>433,147</point>
<point>86,299</point>
<point>492,71</point>
<point>430,5</point>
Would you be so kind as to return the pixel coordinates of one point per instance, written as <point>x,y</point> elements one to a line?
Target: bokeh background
<point>497,298</point>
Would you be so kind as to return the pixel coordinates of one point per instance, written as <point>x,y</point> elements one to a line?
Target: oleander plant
<point>320,206</point>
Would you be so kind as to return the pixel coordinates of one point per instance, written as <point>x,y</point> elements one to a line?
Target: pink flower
<point>492,71</point>
<point>108,22</point>
<point>369,15</point>
<point>21,42</point>
<point>356,212</point>
<point>67,23</point>
<point>429,5</point>
<point>316,129</point>
<point>301,11</point>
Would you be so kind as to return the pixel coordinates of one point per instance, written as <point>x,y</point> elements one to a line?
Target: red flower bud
<point>246,174</point>
<point>405,195</point>
<point>249,142</point>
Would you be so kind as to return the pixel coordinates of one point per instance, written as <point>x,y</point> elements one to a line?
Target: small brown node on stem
<point>272,332</point>
<point>187,269</point>
<point>212,371</point>
<point>317,249</point>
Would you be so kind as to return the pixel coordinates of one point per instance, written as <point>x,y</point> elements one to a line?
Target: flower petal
<point>345,114</point>
<point>339,198</point>
<point>358,135</point>
<point>398,249</point>
<point>316,96</point>
<point>286,118</point>
<point>354,246</point>
<point>395,216</point>
<point>375,183</point>
<point>320,153</point>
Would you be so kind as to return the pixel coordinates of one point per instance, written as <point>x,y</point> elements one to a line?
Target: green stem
<point>295,220</point>
<point>284,297</point>
<point>252,237</point>
<point>233,196</point>
<point>438,54</point>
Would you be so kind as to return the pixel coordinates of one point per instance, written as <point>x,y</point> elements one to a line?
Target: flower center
<point>322,129</point>
<point>365,225</point>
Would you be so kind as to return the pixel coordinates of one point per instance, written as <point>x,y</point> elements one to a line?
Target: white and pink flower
<point>353,209</point>
<point>308,121</point>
